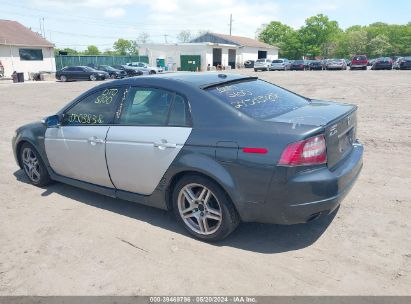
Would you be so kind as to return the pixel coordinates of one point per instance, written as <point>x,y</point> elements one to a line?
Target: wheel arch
<point>178,176</point>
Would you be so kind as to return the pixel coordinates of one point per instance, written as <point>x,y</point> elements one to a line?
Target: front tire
<point>152,72</point>
<point>203,208</point>
<point>33,166</point>
<point>63,78</point>
<point>93,77</point>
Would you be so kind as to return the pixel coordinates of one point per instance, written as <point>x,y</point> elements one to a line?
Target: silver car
<point>145,68</point>
<point>262,65</point>
<point>336,64</point>
<point>280,65</point>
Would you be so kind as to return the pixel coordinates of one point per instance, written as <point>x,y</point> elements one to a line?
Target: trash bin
<point>20,77</point>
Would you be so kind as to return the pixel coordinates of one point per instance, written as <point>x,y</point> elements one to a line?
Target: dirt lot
<point>65,241</point>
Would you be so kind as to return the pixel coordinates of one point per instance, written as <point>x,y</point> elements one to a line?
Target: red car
<point>359,62</point>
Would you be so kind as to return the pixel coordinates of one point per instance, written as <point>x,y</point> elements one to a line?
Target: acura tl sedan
<point>216,149</point>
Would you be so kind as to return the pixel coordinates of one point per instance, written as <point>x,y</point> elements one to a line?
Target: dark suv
<point>359,62</point>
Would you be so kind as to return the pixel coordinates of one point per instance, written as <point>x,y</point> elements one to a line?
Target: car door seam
<point>105,157</point>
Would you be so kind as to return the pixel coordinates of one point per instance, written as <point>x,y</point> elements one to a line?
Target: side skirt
<point>156,200</point>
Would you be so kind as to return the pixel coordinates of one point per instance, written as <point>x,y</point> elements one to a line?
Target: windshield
<point>358,58</point>
<point>260,60</point>
<point>258,99</point>
<point>89,69</point>
<point>278,61</point>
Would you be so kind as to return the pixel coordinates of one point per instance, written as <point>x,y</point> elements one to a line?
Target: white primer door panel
<point>79,152</point>
<point>138,156</point>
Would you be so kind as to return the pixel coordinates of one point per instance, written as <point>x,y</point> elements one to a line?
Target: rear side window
<point>258,99</point>
<point>154,107</point>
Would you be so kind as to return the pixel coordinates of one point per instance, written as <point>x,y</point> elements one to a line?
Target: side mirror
<point>53,121</point>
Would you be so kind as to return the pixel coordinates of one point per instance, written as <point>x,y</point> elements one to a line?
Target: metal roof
<point>229,39</point>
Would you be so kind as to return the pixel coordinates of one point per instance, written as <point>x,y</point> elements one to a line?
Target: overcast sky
<point>78,23</point>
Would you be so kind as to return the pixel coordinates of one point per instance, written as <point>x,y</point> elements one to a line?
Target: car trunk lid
<point>338,120</point>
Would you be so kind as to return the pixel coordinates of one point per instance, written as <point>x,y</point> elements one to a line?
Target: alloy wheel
<point>200,209</point>
<point>31,165</point>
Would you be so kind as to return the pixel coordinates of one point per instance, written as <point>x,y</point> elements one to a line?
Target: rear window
<point>277,61</point>
<point>299,62</point>
<point>260,60</point>
<point>258,99</point>
<point>359,58</point>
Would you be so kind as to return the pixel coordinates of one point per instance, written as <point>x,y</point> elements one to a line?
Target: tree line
<point>322,37</point>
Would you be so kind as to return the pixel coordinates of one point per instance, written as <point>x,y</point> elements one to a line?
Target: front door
<point>153,126</point>
<point>76,149</point>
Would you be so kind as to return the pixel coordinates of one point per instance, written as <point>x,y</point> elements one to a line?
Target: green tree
<point>121,46</point>
<point>379,46</point>
<point>92,50</point>
<point>125,47</point>
<point>275,33</point>
<point>317,33</point>
<point>283,36</point>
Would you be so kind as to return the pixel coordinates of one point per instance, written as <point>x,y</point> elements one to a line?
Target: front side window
<point>154,107</point>
<point>31,54</point>
<point>95,109</point>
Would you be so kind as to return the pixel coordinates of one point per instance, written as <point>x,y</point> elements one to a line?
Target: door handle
<point>94,141</point>
<point>163,144</point>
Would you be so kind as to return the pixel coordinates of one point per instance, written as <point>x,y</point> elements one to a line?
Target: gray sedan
<point>217,149</point>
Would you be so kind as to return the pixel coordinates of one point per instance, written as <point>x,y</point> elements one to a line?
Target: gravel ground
<point>65,241</point>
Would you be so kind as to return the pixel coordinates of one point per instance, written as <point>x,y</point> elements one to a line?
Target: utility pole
<point>44,29</point>
<point>231,22</point>
<point>165,38</point>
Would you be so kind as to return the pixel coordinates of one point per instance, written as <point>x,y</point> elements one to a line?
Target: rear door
<point>152,125</point>
<point>76,149</point>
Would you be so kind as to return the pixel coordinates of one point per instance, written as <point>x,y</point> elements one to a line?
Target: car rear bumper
<point>307,195</point>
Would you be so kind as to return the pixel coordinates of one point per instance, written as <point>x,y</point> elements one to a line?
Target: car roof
<point>200,80</point>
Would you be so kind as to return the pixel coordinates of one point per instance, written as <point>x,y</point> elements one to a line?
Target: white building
<point>209,50</point>
<point>23,50</point>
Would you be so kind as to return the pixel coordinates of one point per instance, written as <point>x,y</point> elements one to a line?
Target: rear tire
<point>33,166</point>
<point>203,208</point>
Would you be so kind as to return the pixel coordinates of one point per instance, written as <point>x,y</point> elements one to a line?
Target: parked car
<point>249,64</point>
<point>316,65</point>
<point>168,141</point>
<point>359,62</point>
<point>382,63</point>
<point>405,63</point>
<point>307,64</point>
<point>113,73</point>
<point>336,64</point>
<point>262,65</point>
<point>145,68</point>
<point>280,65</point>
<point>131,71</point>
<point>396,64</point>
<point>298,65</point>
<point>80,73</point>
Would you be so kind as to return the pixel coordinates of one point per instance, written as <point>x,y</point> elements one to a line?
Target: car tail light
<point>311,151</point>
